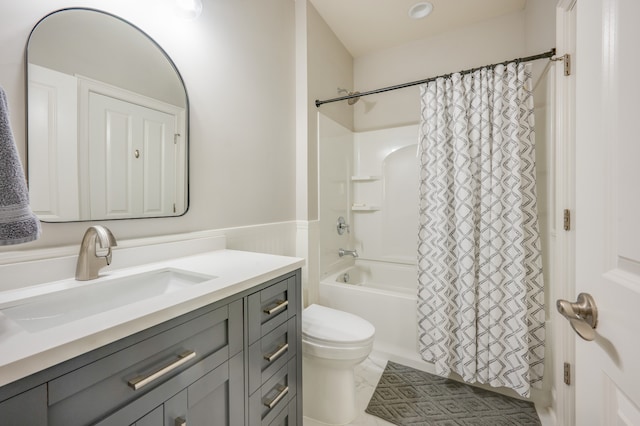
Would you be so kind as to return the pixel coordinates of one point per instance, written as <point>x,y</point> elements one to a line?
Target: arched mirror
<point>107,121</point>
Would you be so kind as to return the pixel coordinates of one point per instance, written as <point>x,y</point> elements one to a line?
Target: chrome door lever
<point>582,315</point>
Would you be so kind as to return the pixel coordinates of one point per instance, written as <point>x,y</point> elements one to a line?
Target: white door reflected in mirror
<point>100,90</point>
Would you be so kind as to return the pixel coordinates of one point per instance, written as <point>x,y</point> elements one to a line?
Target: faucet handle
<point>342,225</point>
<point>105,237</point>
<point>106,240</point>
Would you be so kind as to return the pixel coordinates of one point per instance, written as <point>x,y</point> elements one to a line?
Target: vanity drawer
<point>267,402</point>
<point>286,417</point>
<point>271,307</point>
<point>94,390</point>
<point>202,394</point>
<point>270,353</point>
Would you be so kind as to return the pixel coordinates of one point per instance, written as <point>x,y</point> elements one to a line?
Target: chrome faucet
<point>342,252</point>
<point>89,262</point>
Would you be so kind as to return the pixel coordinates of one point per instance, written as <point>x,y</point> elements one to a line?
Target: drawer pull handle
<point>283,391</point>
<point>180,421</point>
<point>141,381</point>
<point>274,355</point>
<point>281,304</point>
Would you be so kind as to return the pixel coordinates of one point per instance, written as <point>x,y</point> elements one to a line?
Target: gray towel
<point>17,223</point>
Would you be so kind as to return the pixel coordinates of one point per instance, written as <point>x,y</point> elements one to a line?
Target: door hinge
<point>567,373</point>
<point>567,64</point>
<point>175,138</point>
<point>174,207</point>
<point>566,220</point>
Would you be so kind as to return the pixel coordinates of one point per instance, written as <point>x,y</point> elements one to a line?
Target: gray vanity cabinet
<point>149,371</point>
<point>275,361</point>
<point>26,408</point>
<point>217,398</point>
<point>154,418</point>
<point>235,362</point>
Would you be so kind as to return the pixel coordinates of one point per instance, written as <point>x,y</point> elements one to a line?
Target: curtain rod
<point>544,55</point>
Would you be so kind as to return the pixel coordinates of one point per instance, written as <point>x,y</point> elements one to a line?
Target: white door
<point>53,144</point>
<point>132,158</point>
<point>607,216</point>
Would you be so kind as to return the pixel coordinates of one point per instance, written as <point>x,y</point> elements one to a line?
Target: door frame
<point>563,344</point>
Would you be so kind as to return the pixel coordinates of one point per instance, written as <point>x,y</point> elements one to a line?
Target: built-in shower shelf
<point>364,208</point>
<point>364,178</point>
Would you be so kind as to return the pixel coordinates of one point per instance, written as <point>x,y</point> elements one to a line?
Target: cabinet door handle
<point>141,381</point>
<point>283,391</point>
<point>180,421</point>
<point>280,305</point>
<point>274,355</point>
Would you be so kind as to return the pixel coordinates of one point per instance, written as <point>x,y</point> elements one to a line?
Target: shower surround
<point>371,179</point>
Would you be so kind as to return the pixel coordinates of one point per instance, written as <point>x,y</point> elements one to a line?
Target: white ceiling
<point>365,26</point>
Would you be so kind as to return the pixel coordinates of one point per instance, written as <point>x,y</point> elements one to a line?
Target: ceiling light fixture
<point>190,9</point>
<point>420,10</point>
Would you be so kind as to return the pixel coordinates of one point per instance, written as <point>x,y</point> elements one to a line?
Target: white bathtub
<point>383,293</point>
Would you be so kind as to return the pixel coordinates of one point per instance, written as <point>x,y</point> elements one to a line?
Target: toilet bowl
<point>333,343</point>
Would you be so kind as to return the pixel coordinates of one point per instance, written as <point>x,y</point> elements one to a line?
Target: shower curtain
<point>480,288</point>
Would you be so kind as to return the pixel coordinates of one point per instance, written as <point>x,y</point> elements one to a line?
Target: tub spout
<point>342,252</point>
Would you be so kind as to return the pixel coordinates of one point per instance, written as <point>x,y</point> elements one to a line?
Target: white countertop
<point>23,353</point>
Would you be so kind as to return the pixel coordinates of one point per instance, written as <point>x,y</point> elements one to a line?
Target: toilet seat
<point>332,334</point>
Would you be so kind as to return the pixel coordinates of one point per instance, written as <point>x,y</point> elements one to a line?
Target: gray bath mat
<point>406,396</point>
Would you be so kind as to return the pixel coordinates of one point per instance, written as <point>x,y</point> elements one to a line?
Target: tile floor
<point>367,376</point>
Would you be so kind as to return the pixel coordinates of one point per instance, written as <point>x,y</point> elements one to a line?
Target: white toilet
<point>333,343</point>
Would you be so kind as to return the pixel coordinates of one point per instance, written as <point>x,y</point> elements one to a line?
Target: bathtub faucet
<point>342,252</point>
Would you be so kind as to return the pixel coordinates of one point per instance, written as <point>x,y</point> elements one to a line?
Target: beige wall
<point>540,31</point>
<point>61,43</point>
<point>237,61</point>
<point>322,65</point>
<point>330,66</point>
<point>488,42</point>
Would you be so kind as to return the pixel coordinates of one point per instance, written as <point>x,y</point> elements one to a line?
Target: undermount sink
<point>60,307</point>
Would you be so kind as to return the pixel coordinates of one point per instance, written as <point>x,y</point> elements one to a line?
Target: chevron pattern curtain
<point>480,287</point>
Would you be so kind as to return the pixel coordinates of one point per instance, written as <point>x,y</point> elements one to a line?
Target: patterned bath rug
<point>406,396</point>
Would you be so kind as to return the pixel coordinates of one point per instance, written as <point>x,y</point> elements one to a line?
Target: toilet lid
<point>325,324</point>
